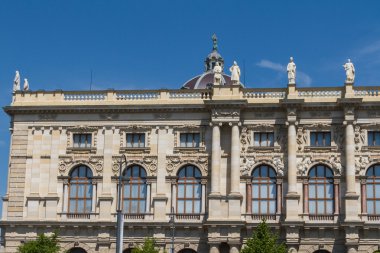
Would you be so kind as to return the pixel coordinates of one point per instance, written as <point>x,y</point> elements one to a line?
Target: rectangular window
<point>374,138</point>
<point>320,139</point>
<point>189,140</point>
<point>136,140</point>
<point>264,139</point>
<point>82,140</point>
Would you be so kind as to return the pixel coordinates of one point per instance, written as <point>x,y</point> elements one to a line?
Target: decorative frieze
<point>333,161</point>
<point>302,138</point>
<point>360,137</point>
<point>247,163</point>
<point>174,162</point>
<point>69,161</point>
<point>147,162</point>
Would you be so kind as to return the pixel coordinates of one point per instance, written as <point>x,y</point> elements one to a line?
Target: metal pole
<point>172,221</point>
<point>119,209</point>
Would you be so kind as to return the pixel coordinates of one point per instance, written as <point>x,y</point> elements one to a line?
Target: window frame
<point>373,181</point>
<point>140,181</point>
<point>260,134</point>
<point>316,143</point>
<point>88,145</point>
<point>193,181</point>
<point>374,134</point>
<point>194,143</point>
<point>267,181</point>
<point>86,181</point>
<point>133,134</point>
<point>325,181</point>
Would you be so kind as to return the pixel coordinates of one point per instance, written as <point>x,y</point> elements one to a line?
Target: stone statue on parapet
<point>214,42</point>
<point>16,82</point>
<point>350,71</point>
<point>217,74</point>
<point>291,68</point>
<point>26,85</point>
<point>235,73</point>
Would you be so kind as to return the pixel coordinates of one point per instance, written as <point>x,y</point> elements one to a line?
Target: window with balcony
<point>264,191</point>
<point>135,140</point>
<point>373,138</point>
<point>189,140</point>
<point>82,140</point>
<point>134,190</point>
<point>80,190</point>
<point>321,190</point>
<point>320,139</point>
<point>189,191</point>
<point>264,139</point>
<point>373,190</point>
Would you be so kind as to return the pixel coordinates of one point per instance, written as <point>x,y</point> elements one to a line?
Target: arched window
<point>321,190</point>
<point>80,190</point>
<point>134,190</point>
<point>373,190</point>
<point>189,190</point>
<point>77,250</point>
<point>264,191</point>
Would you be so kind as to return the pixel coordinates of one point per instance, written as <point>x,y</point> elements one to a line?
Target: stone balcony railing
<point>182,96</point>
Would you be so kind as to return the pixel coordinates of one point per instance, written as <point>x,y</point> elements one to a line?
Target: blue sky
<point>161,44</point>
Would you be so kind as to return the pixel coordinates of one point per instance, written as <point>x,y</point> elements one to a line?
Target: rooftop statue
<point>214,42</point>
<point>26,85</point>
<point>16,82</point>
<point>291,68</point>
<point>235,73</point>
<point>217,74</point>
<point>350,71</point>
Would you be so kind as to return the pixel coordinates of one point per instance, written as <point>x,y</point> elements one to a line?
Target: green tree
<point>43,244</point>
<point>263,241</point>
<point>147,247</point>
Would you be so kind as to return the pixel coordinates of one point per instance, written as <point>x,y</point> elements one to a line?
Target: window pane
<point>198,191</point>
<point>377,190</point>
<point>370,191</point>
<point>127,191</point>
<point>257,139</point>
<point>142,206</point>
<point>320,139</point>
<point>377,139</point>
<point>312,191</point>
<point>320,191</point>
<point>264,206</point>
<point>142,140</point>
<point>189,206</point>
<point>196,140</point>
<point>255,191</point>
<point>135,191</point>
<point>129,140</point>
<point>126,206</point>
<point>88,205</point>
<point>180,206</point>
<point>181,190</point>
<point>312,139</point>
<point>312,207</point>
<point>134,206</point>
<point>271,139</point>
<point>263,142</point>
<point>321,207</point>
<point>329,207</point>
<point>73,191</point>
<point>143,191</point>
<point>329,191</point>
<point>89,191</point>
<point>272,191</point>
<point>189,191</point>
<point>370,207</point>
<point>377,207</point>
<point>81,189</point>
<point>264,191</point>
<point>272,207</point>
<point>72,206</point>
<point>183,140</point>
<point>80,206</point>
<point>327,139</point>
<point>189,140</point>
<point>197,206</point>
<point>255,207</point>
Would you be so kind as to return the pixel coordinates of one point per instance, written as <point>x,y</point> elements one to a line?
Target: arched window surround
<point>138,184</point>
<point>177,186</point>
<point>276,180</point>
<point>370,197</point>
<point>331,183</point>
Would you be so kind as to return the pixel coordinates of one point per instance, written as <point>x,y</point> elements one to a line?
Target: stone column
<point>336,197</point>
<point>174,197</point>
<point>351,197</point>
<point>235,159</point>
<point>306,196</point>
<point>94,193</point>
<point>65,196</point>
<point>364,196</point>
<point>279,196</point>
<point>249,197</point>
<point>350,158</point>
<point>148,194</point>
<point>203,204</point>
<point>214,249</point>
<point>292,158</point>
<point>215,160</point>
<point>234,249</point>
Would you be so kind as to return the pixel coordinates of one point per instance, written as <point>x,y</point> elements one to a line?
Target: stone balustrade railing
<point>189,94</point>
<point>140,95</point>
<point>367,91</point>
<point>84,96</point>
<point>264,93</point>
<point>320,92</point>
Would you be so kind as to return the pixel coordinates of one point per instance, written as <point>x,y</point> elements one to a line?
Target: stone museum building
<point>201,165</point>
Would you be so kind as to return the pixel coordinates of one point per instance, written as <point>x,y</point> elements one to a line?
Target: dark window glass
<point>264,190</point>
<point>82,140</point>
<point>134,189</point>
<point>321,190</point>
<point>189,190</point>
<point>374,138</point>
<point>136,140</point>
<point>264,139</point>
<point>189,140</point>
<point>80,190</point>
<point>320,139</point>
<point>373,189</point>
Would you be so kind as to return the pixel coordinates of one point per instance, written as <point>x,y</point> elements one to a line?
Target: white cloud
<point>302,77</point>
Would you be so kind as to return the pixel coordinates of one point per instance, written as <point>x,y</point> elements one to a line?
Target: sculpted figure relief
<point>26,84</point>
<point>16,82</point>
<point>217,74</point>
<point>350,71</point>
<point>235,73</point>
<point>291,68</point>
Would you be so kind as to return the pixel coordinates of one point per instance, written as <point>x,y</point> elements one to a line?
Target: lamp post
<point>119,209</point>
<point>172,223</point>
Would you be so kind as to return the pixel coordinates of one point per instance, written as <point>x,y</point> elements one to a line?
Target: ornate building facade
<point>205,164</point>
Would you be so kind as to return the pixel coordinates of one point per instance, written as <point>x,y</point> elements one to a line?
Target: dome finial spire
<point>214,42</point>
